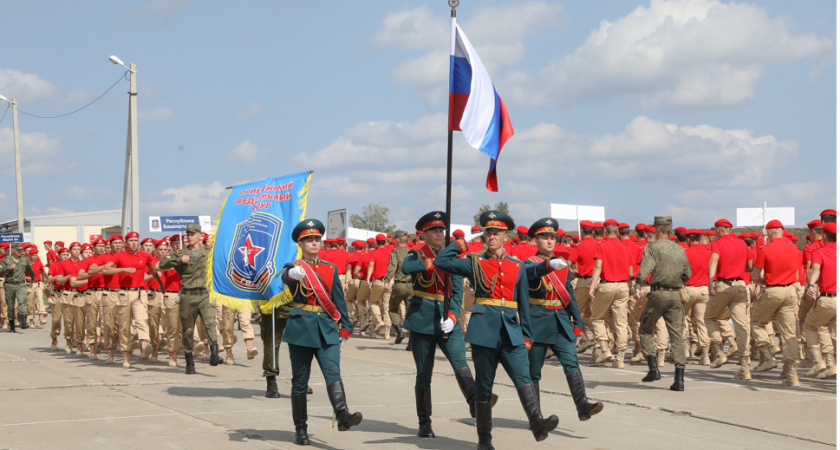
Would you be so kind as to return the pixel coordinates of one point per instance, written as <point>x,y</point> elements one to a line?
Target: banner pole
<point>447,282</point>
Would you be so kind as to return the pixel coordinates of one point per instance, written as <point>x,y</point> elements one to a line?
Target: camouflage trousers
<point>665,304</point>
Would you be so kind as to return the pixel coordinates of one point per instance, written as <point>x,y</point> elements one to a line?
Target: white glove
<point>447,325</point>
<point>296,273</point>
<point>341,341</point>
<point>557,263</point>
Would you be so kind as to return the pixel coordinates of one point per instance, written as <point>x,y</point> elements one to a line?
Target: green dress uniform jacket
<point>546,319</point>
<point>310,328</point>
<point>424,313</point>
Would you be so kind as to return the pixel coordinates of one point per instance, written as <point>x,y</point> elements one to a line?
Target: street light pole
<point>131,206</point>
<point>17,168</point>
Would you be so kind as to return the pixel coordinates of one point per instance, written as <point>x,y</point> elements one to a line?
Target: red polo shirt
<point>138,261</point>
<point>780,260</point>
<point>57,269</point>
<point>616,258</point>
<point>733,256</point>
<point>152,283</point>
<point>826,257</point>
<point>37,267</point>
<point>583,256</point>
<point>111,281</point>
<point>96,281</point>
<point>380,258</point>
<point>698,257</point>
<point>638,252</point>
<point>71,268</point>
<point>171,280</point>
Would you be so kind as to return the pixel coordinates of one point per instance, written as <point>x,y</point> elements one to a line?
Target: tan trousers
<point>74,317</point>
<point>781,302</point>
<point>582,296</point>
<point>172,320</point>
<point>35,299</point>
<point>466,305</point>
<point>229,316</point>
<point>126,306</point>
<point>696,310</point>
<point>110,331</point>
<point>91,313</point>
<point>734,297</point>
<point>140,316</point>
<point>362,297</point>
<point>55,311</point>
<point>4,314</point>
<point>823,314</point>
<point>378,304</point>
<point>350,299</point>
<point>154,305</point>
<point>611,297</point>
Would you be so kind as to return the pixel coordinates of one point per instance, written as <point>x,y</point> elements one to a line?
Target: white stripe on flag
<point>481,104</point>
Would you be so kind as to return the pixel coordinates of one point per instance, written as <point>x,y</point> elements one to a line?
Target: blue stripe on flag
<point>490,144</point>
<point>460,75</point>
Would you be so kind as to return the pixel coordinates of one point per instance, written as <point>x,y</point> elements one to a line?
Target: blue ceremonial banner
<point>254,240</point>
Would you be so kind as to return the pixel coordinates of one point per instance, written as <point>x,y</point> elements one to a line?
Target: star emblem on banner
<point>249,252</point>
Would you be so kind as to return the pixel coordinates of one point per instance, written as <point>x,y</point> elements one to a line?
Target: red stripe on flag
<point>457,103</point>
<point>505,132</point>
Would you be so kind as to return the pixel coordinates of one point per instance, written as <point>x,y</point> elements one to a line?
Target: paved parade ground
<point>54,400</point>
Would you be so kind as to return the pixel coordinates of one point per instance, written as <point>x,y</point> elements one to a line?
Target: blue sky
<point>687,108</point>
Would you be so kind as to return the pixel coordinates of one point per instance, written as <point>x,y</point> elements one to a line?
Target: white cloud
<point>40,153</point>
<point>682,53</point>
<point>496,32</point>
<point>191,199</point>
<point>246,153</point>
<point>26,87</point>
<point>77,193</point>
<point>253,110</point>
<point>158,115</point>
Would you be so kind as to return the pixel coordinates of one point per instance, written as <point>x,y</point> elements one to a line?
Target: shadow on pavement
<point>191,391</point>
<point>276,436</point>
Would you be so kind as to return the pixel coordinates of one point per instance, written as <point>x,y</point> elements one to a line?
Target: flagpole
<point>447,283</point>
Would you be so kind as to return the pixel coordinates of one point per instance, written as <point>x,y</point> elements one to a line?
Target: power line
<point>8,105</point>
<point>72,112</point>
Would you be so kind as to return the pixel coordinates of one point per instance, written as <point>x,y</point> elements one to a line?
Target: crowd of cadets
<point>87,286</point>
<point>779,299</point>
<point>83,284</point>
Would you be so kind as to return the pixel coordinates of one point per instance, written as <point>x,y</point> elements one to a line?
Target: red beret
<point>393,242</point>
<point>672,237</point>
<point>634,238</point>
<point>814,223</point>
<point>358,244</point>
<point>380,237</point>
<point>828,211</point>
<point>97,241</point>
<point>148,239</point>
<point>640,227</point>
<point>623,225</point>
<point>475,229</point>
<point>723,223</point>
<point>650,229</point>
<point>59,243</point>
<point>132,234</point>
<point>575,238</point>
<point>830,227</point>
<point>116,237</point>
<point>560,232</point>
<point>710,233</point>
<point>586,225</point>
<point>5,245</point>
<point>372,240</point>
<point>33,251</point>
<point>682,230</point>
<point>755,234</point>
<point>774,224</point>
<point>162,242</point>
<point>522,230</point>
<point>86,246</point>
<point>173,238</point>
<point>75,244</point>
<point>48,242</point>
<point>388,235</point>
<point>458,233</point>
<point>340,239</point>
<point>597,225</point>
<point>516,239</point>
<point>610,222</point>
<point>744,235</point>
<point>693,231</point>
<point>62,250</point>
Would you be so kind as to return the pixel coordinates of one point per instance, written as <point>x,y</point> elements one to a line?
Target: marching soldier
<point>666,264</point>
<point>500,326</point>
<point>16,267</point>
<point>401,289</point>
<point>428,326</point>
<point>553,308</point>
<point>318,326</point>
<point>822,287</point>
<point>190,265</point>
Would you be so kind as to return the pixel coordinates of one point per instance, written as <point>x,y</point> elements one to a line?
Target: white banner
<point>758,217</point>
<point>577,212</point>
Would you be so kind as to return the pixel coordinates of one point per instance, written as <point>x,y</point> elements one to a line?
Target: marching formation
<point>669,291</point>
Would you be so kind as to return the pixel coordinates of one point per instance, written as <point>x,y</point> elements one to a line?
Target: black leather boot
<point>653,370</point>
<point>215,359</point>
<point>24,324</point>
<point>537,394</point>
<point>11,325</point>
<point>408,346</point>
<point>188,357</point>
<point>271,388</point>
<point>309,390</point>
<point>539,426</point>
<point>484,425</point>
<point>343,417</point>
<point>585,409</point>
<point>400,335</point>
<point>299,416</point>
<point>423,399</point>
<point>467,385</point>
<point>679,380</point>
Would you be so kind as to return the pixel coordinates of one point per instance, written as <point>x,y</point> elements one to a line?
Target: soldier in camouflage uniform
<point>190,263</point>
<point>402,289</point>
<point>666,263</point>
<point>15,267</point>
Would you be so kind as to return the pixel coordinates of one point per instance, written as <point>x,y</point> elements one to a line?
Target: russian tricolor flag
<point>475,107</point>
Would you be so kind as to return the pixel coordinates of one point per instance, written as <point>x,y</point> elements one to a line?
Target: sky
<point>688,108</point>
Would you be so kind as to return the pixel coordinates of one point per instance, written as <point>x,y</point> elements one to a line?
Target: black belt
<point>376,279</point>
<point>607,281</point>
<point>403,281</point>
<point>133,289</point>
<point>585,277</point>
<point>13,283</point>
<point>826,294</point>
<point>727,280</point>
<point>778,285</point>
<point>195,290</point>
<point>663,288</point>
<point>172,292</point>
<point>110,290</point>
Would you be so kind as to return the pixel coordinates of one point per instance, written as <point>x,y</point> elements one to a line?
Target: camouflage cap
<point>17,246</point>
<point>662,220</point>
<point>193,228</point>
<point>400,234</point>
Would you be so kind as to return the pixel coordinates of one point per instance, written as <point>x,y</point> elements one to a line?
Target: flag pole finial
<point>454,4</point>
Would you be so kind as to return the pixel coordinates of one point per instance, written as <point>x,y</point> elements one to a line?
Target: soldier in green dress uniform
<point>500,322</point>
<point>318,326</point>
<point>15,267</point>
<point>427,323</point>
<point>553,310</point>
<point>190,263</point>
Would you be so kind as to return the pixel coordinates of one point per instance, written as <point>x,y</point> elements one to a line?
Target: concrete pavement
<point>54,400</point>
